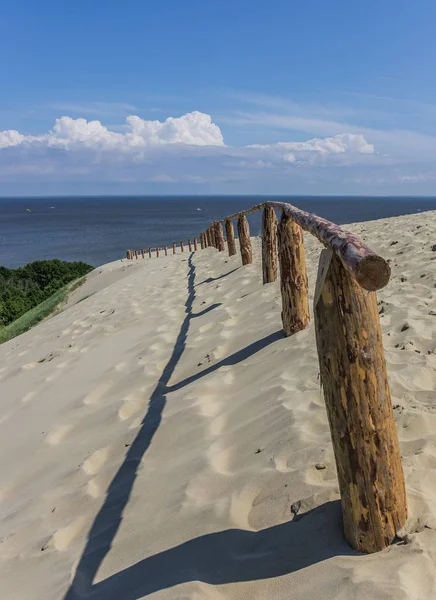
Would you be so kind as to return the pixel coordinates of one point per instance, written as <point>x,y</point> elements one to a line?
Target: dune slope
<point>161,438</point>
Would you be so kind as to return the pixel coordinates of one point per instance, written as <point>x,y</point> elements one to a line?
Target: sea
<point>100,229</point>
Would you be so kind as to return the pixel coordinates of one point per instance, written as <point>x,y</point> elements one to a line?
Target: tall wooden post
<point>219,234</point>
<point>181,247</point>
<point>195,245</point>
<point>166,251</point>
<point>230,235</point>
<point>189,245</point>
<point>202,240</point>
<point>157,251</point>
<point>293,277</point>
<point>142,252</point>
<point>208,237</point>
<point>213,236</point>
<point>136,254</point>
<point>174,248</point>
<point>269,245</point>
<point>244,240</point>
<point>356,391</point>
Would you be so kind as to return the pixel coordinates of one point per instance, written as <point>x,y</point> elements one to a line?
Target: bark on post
<point>356,391</point>
<point>244,240</point>
<point>269,245</point>
<point>189,245</point>
<point>213,236</point>
<point>230,235</point>
<point>195,245</point>
<point>181,247</point>
<point>219,234</point>
<point>174,248</point>
<point>293,277</point>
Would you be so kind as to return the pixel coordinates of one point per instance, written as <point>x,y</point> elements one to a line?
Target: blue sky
<point>218,97</point>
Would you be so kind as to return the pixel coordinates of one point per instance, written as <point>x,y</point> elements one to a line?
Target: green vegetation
<point>30,293</point>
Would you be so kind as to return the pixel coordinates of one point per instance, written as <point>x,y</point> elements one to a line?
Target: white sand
<point>155,435</point>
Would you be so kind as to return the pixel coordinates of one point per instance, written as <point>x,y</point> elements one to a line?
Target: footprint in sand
<point>58,434</point>
<point>98,393</point>
<point>29,396</point>
<point>64,536</point>
<point>95,462</point>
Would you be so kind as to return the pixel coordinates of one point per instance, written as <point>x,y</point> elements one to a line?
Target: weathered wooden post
<point>212,235</point>
<point>356,392</point>
<point>174,248</point>
<point>195,245</point>
<point>208,237</point>
<point>219,234</point>
<point>166,251</point>
<point>244,240</point>
<point>128,254</point>
<point>149,253</point>
<point>269,244</point>
<point>136,254</point>
<point>189,245</point>
<point>230,235</point>
<point>142,252</point>
<point>157,251</point>
<point>202,240</point>
<point>293,277</point>
<point>181,247</point>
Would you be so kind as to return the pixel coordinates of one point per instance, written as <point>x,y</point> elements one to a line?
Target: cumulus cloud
<point>344,142</point>
<point>194,129</point>
<point>189,148</point>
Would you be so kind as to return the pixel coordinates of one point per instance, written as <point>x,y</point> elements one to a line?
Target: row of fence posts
<point>352,371</point>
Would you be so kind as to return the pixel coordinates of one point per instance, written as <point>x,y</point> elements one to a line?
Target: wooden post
<point>195,245</point>
<point>149,253</point>
<point>269,245</point>
<point>136,254</point>
<point>142,252</point>
<point>202,240</point>
<point>208,237</point>
<point>189,245</point>
<point>174,248</point>
<point>293,277</point>
<point>157,251</point>
<point>128,254</point>
<point>357,396</point>
<point>166,251</point>
<point>219,237</point>
<point>244,240</point>
<point>230,235</point>
<point>181,247</point>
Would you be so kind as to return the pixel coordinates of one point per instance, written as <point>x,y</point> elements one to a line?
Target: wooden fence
<point>350,353</point>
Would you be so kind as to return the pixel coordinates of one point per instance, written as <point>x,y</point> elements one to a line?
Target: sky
<point>218,97</point>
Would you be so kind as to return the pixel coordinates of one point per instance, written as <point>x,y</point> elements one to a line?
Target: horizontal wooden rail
<point>369,269</point>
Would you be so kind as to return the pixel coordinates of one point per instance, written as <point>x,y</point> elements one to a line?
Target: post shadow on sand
<point>233,555</point>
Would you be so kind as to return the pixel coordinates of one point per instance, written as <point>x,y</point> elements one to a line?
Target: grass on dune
<point>39,312</point>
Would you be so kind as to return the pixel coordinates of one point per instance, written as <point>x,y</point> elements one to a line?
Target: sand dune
<point>161,438</point>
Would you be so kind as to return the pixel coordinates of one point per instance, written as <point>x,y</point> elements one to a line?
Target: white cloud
<point>10,138</point>
<point>344,142</point>
<point>194,129</point>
